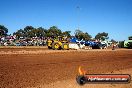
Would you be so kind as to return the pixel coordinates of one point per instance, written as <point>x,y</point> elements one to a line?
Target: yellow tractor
<point>58,43</point>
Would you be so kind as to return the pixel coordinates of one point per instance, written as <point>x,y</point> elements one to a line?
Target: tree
<point>28,28</point>
<point>102,36</point>
<point>87,36</point>
<point>19,33</point>
<point>41,32</point>
<point>113,41</point>
<point>3,30</point>
<point>54,31</point>
<point>29,31</point>
<point>80,35</point>
<point>67,33</point>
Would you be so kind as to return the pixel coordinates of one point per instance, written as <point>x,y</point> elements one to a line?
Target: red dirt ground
<point>33,67</point>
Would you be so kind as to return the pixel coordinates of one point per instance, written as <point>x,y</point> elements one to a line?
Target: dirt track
<point>43,68</point>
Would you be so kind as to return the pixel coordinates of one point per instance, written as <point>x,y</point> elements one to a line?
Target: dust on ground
<point>42,68</point>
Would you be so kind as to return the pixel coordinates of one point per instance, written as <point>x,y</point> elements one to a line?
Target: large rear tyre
<point>65,46</point>
<point>55,46</point>
<point>49,47</point>
<point>130,45</point>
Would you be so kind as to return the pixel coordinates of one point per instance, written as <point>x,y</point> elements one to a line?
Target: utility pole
<point>78,16</point>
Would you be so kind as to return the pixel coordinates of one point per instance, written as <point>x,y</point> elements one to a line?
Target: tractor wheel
<point>65,46</point>
<point>130,45</point>
<point>49,47</point>
<point>55,46</point>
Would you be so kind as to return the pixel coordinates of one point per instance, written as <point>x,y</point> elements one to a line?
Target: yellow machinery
<point>58,43</point>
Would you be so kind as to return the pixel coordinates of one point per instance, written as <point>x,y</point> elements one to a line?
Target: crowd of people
<point>13,41</point>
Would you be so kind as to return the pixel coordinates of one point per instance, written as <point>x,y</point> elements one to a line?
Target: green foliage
<point>67,33</point>
<point>54,31</point>
<point>3,30</point>
<point>102,36</point>
<point>19,33</point>
<point>81,35</point>
<point>113,41</point>
<point>87,36</point>
<point>41,32</point>
<point>30,31</point>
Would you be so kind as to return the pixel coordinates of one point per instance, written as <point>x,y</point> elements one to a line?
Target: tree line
<point>30,31</point>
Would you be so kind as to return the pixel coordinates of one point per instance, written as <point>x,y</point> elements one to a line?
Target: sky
<point>92,16</point>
